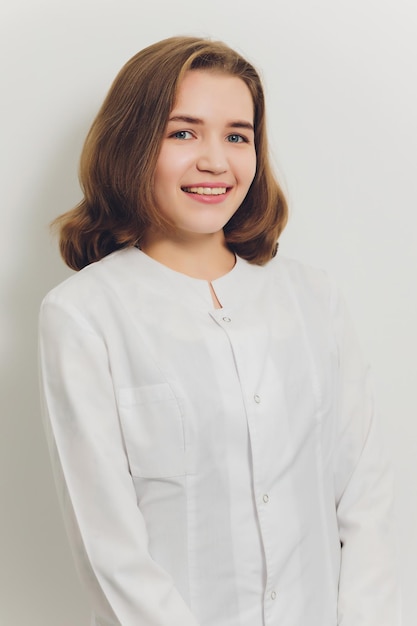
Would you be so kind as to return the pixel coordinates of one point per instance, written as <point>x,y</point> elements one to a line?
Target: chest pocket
<point>153,430</point>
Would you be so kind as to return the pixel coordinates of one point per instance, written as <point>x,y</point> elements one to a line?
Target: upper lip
<point>212,185</point>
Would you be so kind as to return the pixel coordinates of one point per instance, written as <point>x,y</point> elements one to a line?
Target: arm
<point>105,526</point>
<point>368,593</point>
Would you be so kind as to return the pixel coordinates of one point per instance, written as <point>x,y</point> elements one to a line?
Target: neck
<point>206,258</point>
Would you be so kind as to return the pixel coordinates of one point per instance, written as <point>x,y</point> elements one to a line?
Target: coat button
<point>257,398</point>
<point>273,595</point>
<point>226,319</point>
<point>266,498</point>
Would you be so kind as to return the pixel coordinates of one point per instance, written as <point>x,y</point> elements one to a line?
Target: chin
<point>202,229</point>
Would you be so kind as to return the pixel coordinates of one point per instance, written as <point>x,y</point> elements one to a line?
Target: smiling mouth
<point>206,191</point>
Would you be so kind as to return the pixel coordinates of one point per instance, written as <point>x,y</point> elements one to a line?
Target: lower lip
<point>208,199</point>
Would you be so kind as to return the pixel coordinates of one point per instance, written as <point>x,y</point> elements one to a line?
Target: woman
<point>208,410</point>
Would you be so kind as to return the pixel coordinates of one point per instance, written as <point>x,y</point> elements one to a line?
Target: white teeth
<point>206,191</point>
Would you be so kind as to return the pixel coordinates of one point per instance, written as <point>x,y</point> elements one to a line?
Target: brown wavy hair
<point>121,150</point>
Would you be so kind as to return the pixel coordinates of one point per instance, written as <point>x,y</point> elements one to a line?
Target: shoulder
<point>320,302</point>
<point>92,293</point>
<point>315,294</point>
<point>96,280</point>
<point>302,279</point>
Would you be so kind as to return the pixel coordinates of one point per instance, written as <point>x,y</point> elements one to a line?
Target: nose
<point>212,158</point>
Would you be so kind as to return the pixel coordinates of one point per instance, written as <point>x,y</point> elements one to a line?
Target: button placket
<point>264,500</point>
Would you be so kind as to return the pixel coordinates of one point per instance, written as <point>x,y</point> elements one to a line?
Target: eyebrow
<point>188,119</point>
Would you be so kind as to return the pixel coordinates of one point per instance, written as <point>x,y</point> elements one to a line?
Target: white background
<point>341,84</point>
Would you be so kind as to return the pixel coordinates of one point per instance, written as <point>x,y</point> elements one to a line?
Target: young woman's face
<point>207,160</point>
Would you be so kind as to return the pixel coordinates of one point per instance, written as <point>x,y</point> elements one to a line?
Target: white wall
<point>341,85</point>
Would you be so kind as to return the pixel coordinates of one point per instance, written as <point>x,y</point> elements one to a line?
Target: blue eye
<point>182,134</point>
<point>236,139</point>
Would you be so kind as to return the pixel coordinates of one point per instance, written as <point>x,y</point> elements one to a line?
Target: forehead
<point>214,92</point>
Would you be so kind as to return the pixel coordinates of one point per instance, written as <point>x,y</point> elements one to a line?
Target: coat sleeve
<point>368,586</point>
<point>105,526</point>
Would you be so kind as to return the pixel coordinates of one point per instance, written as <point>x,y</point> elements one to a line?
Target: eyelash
<point>242,138</point>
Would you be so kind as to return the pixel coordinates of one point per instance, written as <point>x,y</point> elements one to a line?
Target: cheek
<point>248,168</point>
<point>172,164</point>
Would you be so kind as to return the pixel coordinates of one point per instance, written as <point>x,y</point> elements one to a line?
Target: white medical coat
<point>216,467</point>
